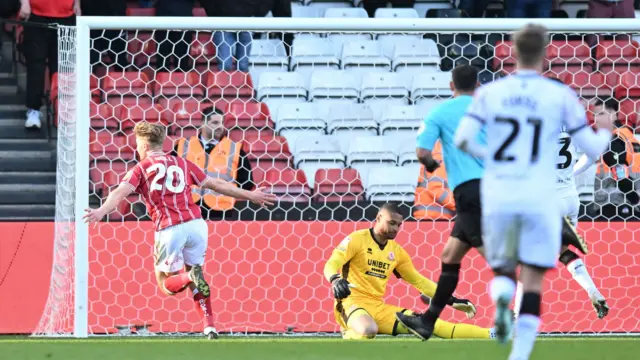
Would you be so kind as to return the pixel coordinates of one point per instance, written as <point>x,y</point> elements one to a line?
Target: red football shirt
<point>52,8</point>
<point>165,181</point>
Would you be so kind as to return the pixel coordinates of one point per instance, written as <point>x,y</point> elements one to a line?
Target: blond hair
<point>154,134</point>
<point>530,43</point>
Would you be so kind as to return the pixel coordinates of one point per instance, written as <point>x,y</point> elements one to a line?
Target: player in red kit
<point>181,234</point>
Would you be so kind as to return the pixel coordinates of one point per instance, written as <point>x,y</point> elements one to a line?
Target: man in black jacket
<point>112,43</point>
<point>173,46</point>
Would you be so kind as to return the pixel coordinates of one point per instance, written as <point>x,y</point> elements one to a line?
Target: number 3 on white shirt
<point>172,172</point>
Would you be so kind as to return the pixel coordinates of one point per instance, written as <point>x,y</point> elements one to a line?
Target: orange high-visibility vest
<point>434,199</point>
<point>221,163</point>
<point>632,148</point>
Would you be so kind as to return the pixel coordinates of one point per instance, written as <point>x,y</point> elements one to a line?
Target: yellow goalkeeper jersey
<point>368,265</point>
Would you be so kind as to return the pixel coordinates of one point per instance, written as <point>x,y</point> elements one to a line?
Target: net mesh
<point>57,317</point>
<point>329,125</point>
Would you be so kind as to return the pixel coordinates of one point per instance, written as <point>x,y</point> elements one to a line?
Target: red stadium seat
<point>104,116</point>
<point>141,48</point>
<point>565,55</point>
<point>260,167</point>
<point>55,87</point>
<point>267,148</point>
<point>617,55</point>
<point>338,185</point>
<point>248,134</point>
<point>169,84</point>
<point>104,145</point>
<point>225,84</point>
<point>203,51</point>
<point>587,84</point>
<point>198,11</point>
<point>629,86</point>
<point>504,57</point>
<point>628,112</point>
<point>187,112</point>
<point>247,115</point>
<point>126,84</point>
<point>134,114</point>
<point>289,184</point>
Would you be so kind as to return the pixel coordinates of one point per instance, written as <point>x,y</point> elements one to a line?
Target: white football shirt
<point>524,114</point>
<point>566,159</point>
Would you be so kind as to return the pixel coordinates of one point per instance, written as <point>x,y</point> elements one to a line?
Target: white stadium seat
<point>396,13</point>
<point>266,55</point>
<point>352,119</point>
<point>333,84</point>
<point>345,13</point>
<point>388,41</point>
<point>390,183</point>
<point>425,105</point>
<point>383,85</point>
<point>431,85</point>
<point>323,148</point>
<point>423,6</point>
<point>300,11</point>
<point>411,54</point>
<point>276,102</point>
<point>310,54</point>
<point>403,119</point>
<point>378,106</point>
<point>337,40</point>
<point>303,117</point>
<point>407,153</point>
<point>364,56</point>
<point>371,149</point>
<point>281,85</point>
<point>321,6</point>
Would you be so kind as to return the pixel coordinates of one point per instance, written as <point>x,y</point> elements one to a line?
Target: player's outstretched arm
<point>115,197</point>
<point>583,164</point>
<point>258,196</point>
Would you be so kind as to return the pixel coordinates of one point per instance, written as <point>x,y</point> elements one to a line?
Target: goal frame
<point>85,24</point>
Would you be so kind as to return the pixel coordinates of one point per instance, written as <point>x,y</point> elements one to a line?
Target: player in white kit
<point>523,115</point>
<point>569,205</point>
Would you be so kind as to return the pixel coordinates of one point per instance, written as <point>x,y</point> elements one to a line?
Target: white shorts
<point>570,207</point>
<point>521,238</point>
<point>179,245</point>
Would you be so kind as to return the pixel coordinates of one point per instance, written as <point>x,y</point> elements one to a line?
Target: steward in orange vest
<point>622,162</point>
<point>220,158</point>
<point>434,199</point>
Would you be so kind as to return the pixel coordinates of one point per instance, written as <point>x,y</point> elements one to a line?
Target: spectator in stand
<point>473,8</point>
<point>224,41</point>
<point>372,5</point>
<point>113,43</point>
<point>529,9</point>
<point>281,8</point>
<point>220,157</point>
<point>40,46</point>
<point>173,46</point>
<point>606,9</point>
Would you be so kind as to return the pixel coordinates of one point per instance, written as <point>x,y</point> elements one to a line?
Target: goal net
<point>328,122</point>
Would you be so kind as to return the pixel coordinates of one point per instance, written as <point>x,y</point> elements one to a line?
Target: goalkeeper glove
<point>340,287</point>
<point>463,305</point>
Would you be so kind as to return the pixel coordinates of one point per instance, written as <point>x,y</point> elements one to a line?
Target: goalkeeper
<point>359,269</point>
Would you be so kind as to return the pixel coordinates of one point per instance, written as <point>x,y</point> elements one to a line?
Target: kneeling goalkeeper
<point>359,269</point>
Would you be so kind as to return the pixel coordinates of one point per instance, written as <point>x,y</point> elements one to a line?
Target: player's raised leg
<point>194,255</point>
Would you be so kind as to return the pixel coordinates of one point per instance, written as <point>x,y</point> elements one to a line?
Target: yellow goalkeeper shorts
<point>383,314</point>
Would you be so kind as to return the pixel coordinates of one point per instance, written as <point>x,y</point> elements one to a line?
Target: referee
<point>463,174</point>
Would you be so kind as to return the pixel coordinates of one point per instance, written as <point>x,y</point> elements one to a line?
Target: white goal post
<point>70,316</point>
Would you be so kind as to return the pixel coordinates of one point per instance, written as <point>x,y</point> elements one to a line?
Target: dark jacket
<point>175,7</point>
<point>103,7</point>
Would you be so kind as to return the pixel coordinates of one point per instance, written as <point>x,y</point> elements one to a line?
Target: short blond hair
<point>531,42</point>
<point>154,134</point>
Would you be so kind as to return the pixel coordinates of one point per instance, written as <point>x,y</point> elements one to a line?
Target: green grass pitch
<point>310,349</point>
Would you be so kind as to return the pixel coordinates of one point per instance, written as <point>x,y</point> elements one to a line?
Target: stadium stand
<point>317,105</point>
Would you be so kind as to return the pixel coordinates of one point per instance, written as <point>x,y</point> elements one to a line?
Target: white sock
<point>578,270</point>
<point>194,291</point>
<point>501,287</point>
<point>518,301</point>
<point>525,336</point>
